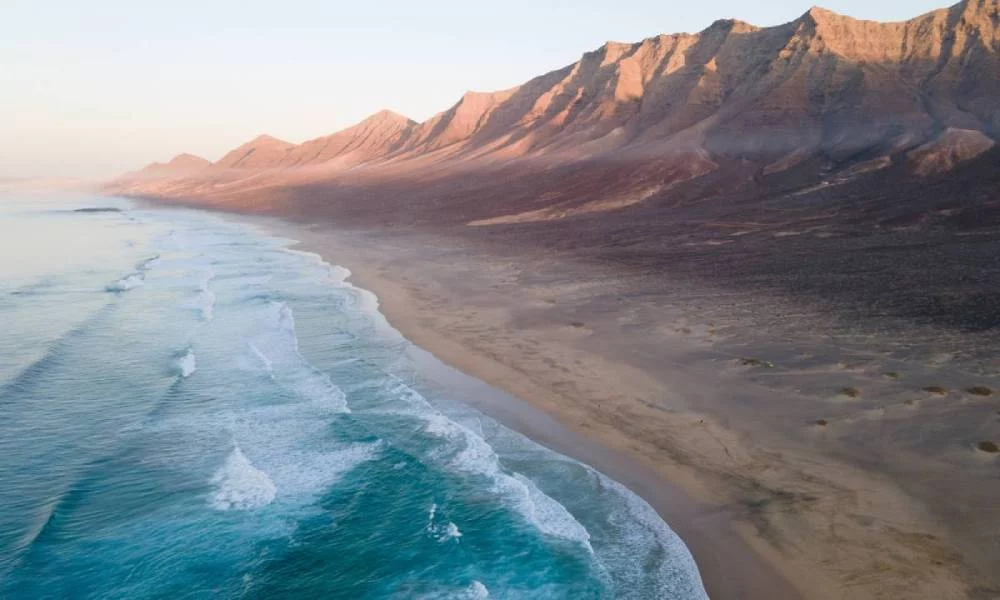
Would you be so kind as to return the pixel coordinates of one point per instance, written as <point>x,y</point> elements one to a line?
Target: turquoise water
<point>191,409</point>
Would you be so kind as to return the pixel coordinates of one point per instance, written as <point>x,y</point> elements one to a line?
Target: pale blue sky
<point>92,88</point>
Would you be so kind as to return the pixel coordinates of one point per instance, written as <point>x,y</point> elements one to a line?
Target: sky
<point>92,89</point>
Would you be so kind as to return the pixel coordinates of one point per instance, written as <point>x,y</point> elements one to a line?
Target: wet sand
<point>804,465</point>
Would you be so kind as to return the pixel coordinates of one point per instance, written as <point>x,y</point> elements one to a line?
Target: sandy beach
<point>792,466</point>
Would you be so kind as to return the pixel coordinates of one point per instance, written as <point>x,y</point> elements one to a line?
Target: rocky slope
<point>825,91</point>
<point>375,138</point>
<point>262,152</point>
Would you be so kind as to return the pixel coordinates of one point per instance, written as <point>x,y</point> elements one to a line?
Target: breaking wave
<point>276,352</point>
<point>186,364</point>
<point>470,453</point>
<point>126,283</point>
<point>442,532</point>
<point>240,485</point>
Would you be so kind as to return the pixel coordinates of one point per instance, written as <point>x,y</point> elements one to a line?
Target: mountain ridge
<point>181,165</point>
<point>821,89</point>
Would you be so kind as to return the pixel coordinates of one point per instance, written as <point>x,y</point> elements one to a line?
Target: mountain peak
<point>181,165</point>
<point>270,140</point>
<point>818,15</point>
<point>818,12</point>
<point>473,95</point>
<point>388,116</point>
<point>384,120</point>
<point>721,24</point>
<point>376,136</point>
<point>186,159</point>
<point>263,150</point>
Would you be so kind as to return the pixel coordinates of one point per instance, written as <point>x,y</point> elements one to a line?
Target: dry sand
<point>782,482</point>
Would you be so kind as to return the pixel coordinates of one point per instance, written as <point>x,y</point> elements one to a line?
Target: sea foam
<point>476,456</point>
<point>206,297</point>
<point>187,364</point>
<point>474,591</point>
<point>240,485</point>
<point>640,529</point>
<point>147,263</point>
<point>442,532</point>
<point>262,360</point>
<point>126,283</point>
<point>467,451</point>
<point>276,351</point>
<point>477,591</point>
<point>205,304</point>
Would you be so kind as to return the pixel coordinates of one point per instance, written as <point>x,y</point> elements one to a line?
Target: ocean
<point>191,408</point>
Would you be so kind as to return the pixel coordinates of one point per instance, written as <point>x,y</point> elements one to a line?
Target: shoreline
<point>770,506</point>
<point>728,566</point>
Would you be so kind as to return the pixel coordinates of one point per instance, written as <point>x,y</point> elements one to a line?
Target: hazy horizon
<point>93,91</point>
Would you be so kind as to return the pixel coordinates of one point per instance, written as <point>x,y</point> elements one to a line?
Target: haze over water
<point>191,409</point>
